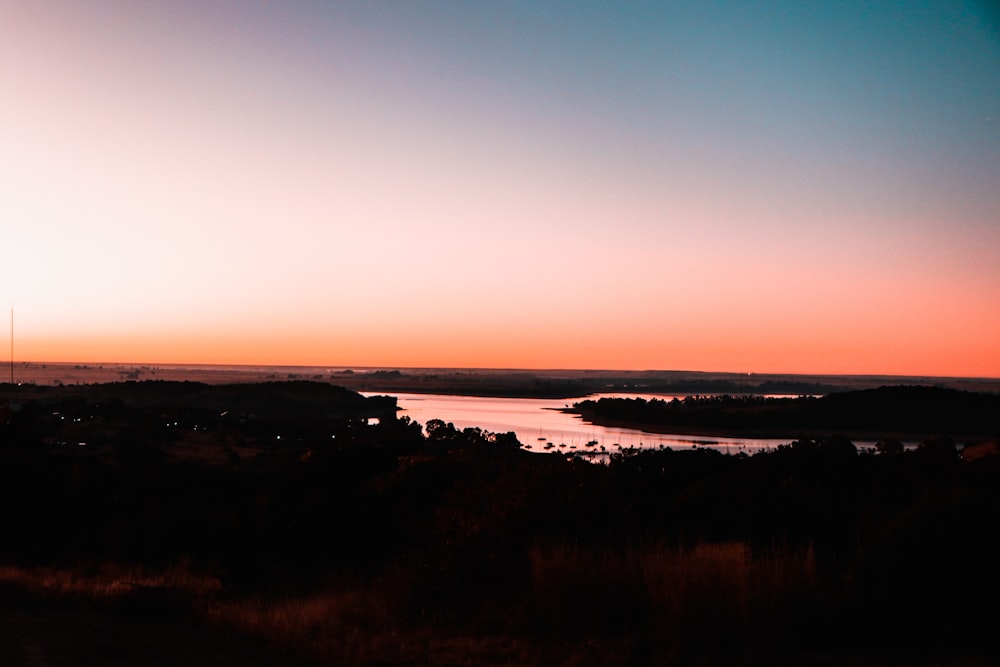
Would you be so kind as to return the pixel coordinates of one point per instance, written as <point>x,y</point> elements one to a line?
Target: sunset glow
<point>770,188</point>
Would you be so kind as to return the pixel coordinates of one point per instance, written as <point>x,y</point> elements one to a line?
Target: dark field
<point>275,523</point>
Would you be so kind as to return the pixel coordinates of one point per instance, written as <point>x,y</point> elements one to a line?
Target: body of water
<point>538,423</point>
<point>540,426</point>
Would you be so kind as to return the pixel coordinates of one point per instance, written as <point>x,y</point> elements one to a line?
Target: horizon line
<point>506,369</point>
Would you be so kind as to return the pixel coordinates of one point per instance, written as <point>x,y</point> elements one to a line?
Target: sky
<point>786,187</point>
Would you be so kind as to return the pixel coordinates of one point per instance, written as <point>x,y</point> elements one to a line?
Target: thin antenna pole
<point>10,405</point>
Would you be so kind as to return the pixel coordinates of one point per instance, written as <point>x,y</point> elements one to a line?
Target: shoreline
<point>889,413</point>
<point>98,390</point>
<point>764,434</point>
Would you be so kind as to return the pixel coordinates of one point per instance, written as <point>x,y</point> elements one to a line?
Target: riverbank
<point>784,435</point>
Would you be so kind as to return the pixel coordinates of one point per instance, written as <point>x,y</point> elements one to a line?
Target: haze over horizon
<point>770,187</point>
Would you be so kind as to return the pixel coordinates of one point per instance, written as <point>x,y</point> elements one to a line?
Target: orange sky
<point>646,187</point>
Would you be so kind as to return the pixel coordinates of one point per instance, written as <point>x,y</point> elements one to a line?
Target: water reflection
<point>540,426</point>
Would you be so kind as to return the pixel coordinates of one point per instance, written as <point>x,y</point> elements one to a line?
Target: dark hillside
<point>358,543</point>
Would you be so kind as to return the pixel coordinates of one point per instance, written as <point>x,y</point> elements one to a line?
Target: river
<point>540,426</point>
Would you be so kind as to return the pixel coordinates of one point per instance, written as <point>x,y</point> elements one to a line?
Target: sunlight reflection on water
<point>539,424</point>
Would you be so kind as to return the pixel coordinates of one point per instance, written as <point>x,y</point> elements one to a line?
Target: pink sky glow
<point>369,184</point>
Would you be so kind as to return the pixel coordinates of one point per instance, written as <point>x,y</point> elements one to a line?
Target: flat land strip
<point>485,382</point>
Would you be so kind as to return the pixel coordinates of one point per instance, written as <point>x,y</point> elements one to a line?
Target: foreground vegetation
<point>353,544</point>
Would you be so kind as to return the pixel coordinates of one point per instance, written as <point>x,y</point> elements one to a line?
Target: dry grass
<point>107,581</point>
<point>360,626</point>
<point>332,623</point>
<point>714,595</point>
<point>585,606</point>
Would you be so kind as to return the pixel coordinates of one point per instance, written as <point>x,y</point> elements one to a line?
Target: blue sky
<point>770,186</point>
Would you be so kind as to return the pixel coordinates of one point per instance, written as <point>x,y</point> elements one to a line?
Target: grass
<point>713,597</point>
<point>337,626</point>
<point>106,582</point>
<point>580,606</point>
